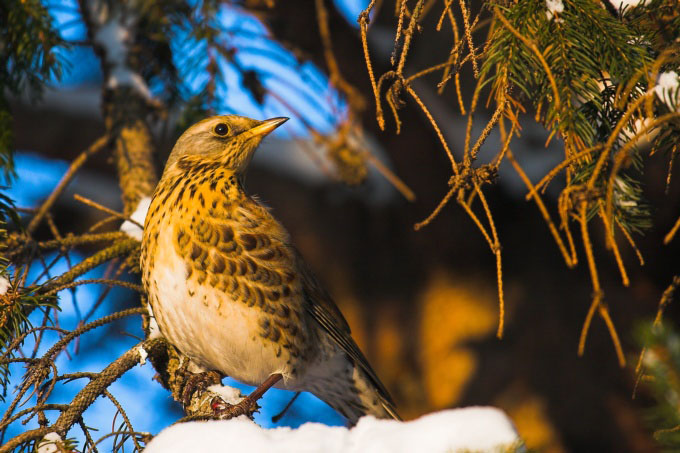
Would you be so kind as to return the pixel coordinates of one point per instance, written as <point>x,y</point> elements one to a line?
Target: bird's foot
<point>225,411</point>
<point>199,383</point>
<point>248,405</point>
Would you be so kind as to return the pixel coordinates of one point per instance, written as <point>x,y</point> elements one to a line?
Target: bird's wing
<point>244,254</point>
<point>322,308</point>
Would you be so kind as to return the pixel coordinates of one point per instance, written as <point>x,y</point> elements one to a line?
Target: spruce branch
<point>120,248</point>
<point>95,388</point>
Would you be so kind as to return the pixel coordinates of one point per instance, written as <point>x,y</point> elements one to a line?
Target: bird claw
<point>199,383</point>
<point>225,411</point>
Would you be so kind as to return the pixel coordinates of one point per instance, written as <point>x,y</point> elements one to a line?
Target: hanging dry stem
<point>569,258</point>
<point>598,294</point>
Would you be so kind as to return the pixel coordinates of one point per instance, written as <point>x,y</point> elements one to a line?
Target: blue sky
<point>302,86</point>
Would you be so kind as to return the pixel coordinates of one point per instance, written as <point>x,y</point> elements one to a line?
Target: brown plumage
<point>230,291</point>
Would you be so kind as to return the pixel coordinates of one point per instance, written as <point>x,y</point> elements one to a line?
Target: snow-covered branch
<point>112,31</point>
<point>127,100</point>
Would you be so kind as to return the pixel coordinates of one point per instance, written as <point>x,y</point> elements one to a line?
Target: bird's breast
<point>221,284</point>
<point>206,324</point>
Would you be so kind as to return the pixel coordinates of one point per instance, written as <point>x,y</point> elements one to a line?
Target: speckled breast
<point>220,278</point>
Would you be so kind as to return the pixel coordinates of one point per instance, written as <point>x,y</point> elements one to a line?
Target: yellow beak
<point>267,126</point>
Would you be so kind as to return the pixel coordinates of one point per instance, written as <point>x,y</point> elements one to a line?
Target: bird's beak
<point>266,127</point>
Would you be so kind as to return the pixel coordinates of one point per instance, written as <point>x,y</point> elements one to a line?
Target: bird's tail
<point>357,395</point>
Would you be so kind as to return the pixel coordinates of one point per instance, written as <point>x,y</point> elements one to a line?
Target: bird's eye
<point>221,129</point>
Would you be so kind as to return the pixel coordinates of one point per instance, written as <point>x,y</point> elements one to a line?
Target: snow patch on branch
<point>114,34</point>
<point>124,76</point>
<point>4,285</point>
<point>131,229</point>
<point>142,355</point>
<point>555,7</point>
<point>644,139</point>
<point>627,4</point>
<point>470,429</point>
<point>230,395</point>
<point>668,89</point>
<point>51,443</point>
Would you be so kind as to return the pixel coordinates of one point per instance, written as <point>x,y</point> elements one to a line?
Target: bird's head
<point>230,139</point>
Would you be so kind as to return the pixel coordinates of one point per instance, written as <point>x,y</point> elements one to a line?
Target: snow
<point>154,330</point>
<point>554,7</point>
<point>469,429</point>
<point>124,76</point>
<point>628,4</point>
<point>4,285</point>
<point>114,35</point>
<point>142,355</point>
<point>667,89</point>
<point>50,443</point>
<point>230,395</point>
<point>638,126</point>
<point>129,228</point>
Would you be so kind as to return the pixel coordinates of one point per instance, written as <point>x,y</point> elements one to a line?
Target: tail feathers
<point>373,395</point>
<point>356,396</point>
<point>388,406</point>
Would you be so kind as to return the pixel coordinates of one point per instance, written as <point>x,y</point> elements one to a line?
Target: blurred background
<point>422,305</point>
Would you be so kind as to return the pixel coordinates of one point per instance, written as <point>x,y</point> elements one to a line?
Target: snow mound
<point>472,429</point>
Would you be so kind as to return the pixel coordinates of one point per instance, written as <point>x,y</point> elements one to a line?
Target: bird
<point>229,289</point>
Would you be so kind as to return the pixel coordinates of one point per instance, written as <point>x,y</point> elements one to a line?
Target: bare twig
<point>78,162</point>
<point>103,208</point>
